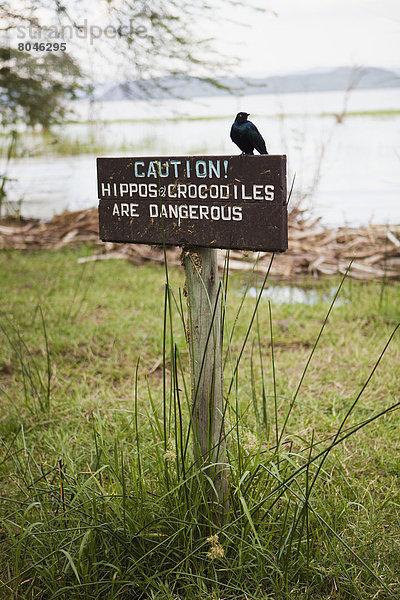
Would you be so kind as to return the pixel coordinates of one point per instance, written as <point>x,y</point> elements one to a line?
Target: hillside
<point>339,79</point>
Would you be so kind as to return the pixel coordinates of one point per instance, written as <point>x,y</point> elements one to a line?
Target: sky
<point>285,37</point>
<point>298,35</point>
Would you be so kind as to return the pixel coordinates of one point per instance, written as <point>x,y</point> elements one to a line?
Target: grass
<point>101,497</point>
<point>46,143</point>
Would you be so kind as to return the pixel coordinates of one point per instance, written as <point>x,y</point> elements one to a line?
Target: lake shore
<point>314,250</point>
<point>345,171</point>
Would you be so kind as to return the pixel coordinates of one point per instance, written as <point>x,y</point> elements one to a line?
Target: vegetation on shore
<point>62,142</point>
<point>100,495</point>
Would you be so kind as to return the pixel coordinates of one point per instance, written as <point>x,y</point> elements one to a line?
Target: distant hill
<point>180,86</point>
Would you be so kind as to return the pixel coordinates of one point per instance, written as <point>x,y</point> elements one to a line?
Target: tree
<point>35,90</point>
<point>132,39</point>
<point>34,85</point>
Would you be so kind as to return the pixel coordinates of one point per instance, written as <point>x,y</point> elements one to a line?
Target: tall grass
<point>35,371</point>
<point>132,518</point>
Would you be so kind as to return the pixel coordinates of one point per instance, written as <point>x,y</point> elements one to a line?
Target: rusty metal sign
<point>237,202</point>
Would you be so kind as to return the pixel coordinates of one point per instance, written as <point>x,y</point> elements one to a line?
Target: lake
<point>346,173</point>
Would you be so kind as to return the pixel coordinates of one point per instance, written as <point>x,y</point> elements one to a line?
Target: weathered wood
<point>210,201</point>
<point>204,338</point>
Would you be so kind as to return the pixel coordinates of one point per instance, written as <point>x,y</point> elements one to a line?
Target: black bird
<point>246,135</point>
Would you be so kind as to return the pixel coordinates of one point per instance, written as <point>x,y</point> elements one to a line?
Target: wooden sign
<point>234,202</point>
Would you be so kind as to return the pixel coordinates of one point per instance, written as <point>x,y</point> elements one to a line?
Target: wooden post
<point>204,338</point>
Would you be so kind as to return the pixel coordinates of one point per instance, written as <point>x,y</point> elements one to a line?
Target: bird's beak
<point>247,114</point>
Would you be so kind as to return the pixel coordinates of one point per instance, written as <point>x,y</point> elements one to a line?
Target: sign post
<point>200,203</point>
<point>204,338</point>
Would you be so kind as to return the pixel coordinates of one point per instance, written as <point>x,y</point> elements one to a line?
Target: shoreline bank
<point>314,250</point>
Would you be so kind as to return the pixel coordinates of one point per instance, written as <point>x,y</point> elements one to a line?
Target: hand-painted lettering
<point>212,212</point>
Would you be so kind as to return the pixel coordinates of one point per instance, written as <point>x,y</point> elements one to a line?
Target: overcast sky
<point>308,34</point>
<point>289,36</point>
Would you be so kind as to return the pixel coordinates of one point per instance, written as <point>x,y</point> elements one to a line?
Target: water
<point>349,172</point>
<point>263,104</point>
<point>290,294</point>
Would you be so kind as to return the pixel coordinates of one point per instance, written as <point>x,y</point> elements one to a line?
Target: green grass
<point>37,143</point>
<point>101,497</point>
